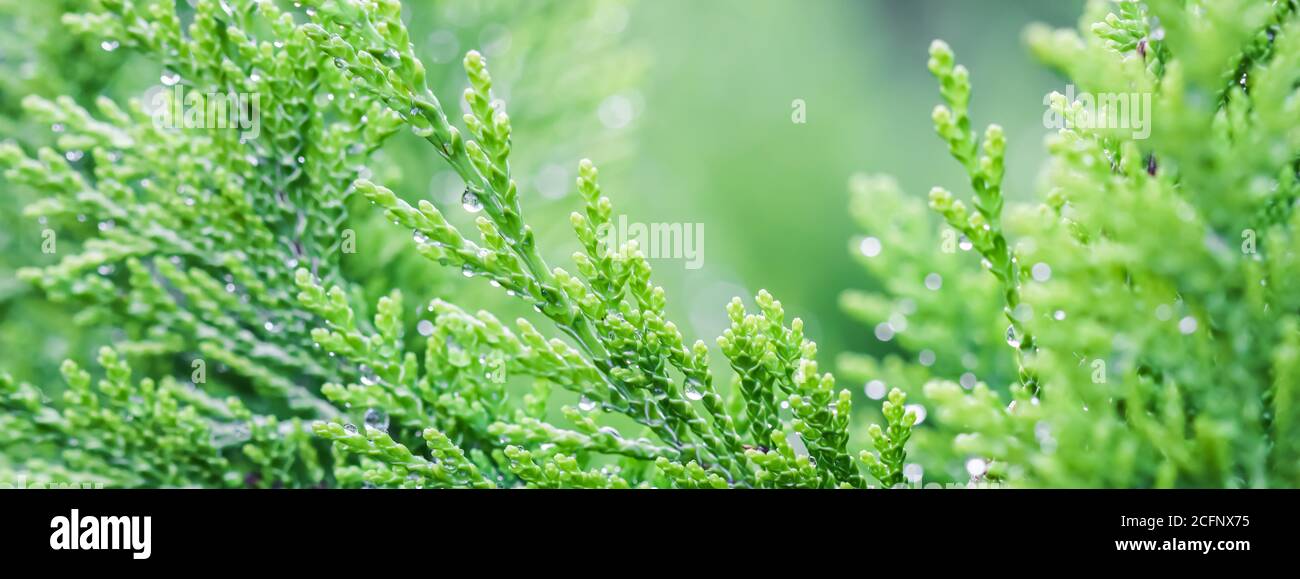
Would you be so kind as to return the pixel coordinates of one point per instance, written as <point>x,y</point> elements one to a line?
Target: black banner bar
<point>243,526</point>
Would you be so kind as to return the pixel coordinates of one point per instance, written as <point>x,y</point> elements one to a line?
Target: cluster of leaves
<point>184,241</point>
<point>1151,349</point>
<point>196,231</point>
<point>121,433</point>
<point>38,62</point>
<point>621,354</point>
<point>204,245</point>
<point>1130,364</point>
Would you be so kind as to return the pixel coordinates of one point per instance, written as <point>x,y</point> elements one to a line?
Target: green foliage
<point>1151,351</point>
<point>208,227</point>
<point>886,464</point>
<point>38,62</point>
<point>1144,349</point>
<point>122,433</point>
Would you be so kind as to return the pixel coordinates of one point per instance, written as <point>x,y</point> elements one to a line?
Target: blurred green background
<point>716,143</point>
<point>685,105</point>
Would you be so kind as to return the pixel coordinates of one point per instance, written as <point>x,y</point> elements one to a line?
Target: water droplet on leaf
<point>1013,339</point>
<point>376,419</point>
<point>933,282</point>
<point>1041,272</point>
<point>870,247</point>
<point>470,201</point>
<point>368,376</point>
<point>913,472</point>
<point>875,389</point>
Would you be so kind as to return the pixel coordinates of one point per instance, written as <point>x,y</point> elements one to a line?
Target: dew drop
<point>913,472</point>
<point>870,247</point>
<point>875,389</point>
<point>884,333</point>
<point>1187,325</point>
<point>109,45</point>
<point>965,244</point>
<point>419,237</point>
<point>933,282</point>
<point>350,428</point>
<point>968,380</point>
<point>918,410</point>
<point>1041,272</point>
<point>424,327</point>
<point>170,78</point>
<point>470,201</point>
<point>74,156</point>
<point>693,394</point>
<point>586,404</point>
<point>976,467</point>
<point>1013,339</point>
<point>368,377</point>
<point>1059,315</point>
<point>376,419</point>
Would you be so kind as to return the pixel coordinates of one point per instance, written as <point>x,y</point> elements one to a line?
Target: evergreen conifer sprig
<point>1153,328</point>
<point>1150,311</point>
<point>203,230</point>
<point>625,356</point>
